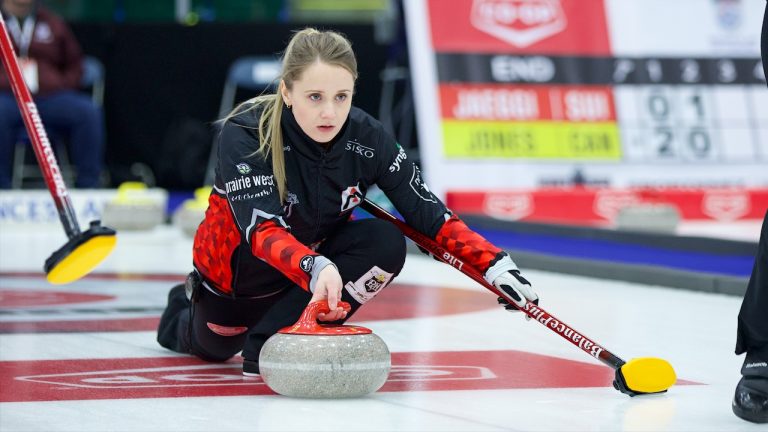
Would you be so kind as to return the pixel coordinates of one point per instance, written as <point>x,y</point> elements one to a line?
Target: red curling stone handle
<point>308,325</point>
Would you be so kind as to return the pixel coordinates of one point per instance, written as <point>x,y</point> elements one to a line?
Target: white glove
<point>516,289</point>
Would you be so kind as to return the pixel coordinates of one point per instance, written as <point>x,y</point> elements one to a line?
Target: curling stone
<point>192,212</point>
<point>325,361</point>
<point>134,208</point>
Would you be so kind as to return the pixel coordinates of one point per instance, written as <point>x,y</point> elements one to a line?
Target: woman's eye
<point>314,97</point>
<point>341,97</point>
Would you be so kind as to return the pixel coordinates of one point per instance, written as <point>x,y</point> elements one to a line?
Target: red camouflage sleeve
<point>469,246</point>
<point>273,244</point>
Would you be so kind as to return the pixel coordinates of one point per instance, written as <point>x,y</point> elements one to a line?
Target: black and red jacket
<point>251,244</point>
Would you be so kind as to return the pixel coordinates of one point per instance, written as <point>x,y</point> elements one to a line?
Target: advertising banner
<point>619,93</point>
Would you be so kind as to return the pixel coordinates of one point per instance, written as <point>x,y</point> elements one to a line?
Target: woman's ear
<point>285,94</point>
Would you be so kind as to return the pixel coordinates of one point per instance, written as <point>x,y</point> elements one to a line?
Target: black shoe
<point>172,326</point>
<point>177,301</point>
<point>250,367</point>
<point>751,399</point>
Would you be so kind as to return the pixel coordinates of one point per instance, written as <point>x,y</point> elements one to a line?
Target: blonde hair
<point>306,47</point>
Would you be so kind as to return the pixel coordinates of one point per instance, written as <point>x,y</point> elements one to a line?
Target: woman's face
<point>320,100</point>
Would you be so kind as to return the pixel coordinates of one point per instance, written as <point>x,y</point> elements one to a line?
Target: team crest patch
<point>290,200</point>
<point>368,285</point>
<point>418,186</point>
<point>307,263</point>
<point>243,168</point>
<point>351,197</point>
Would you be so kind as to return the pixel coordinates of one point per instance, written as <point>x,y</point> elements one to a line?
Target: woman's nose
<point>328,111</point>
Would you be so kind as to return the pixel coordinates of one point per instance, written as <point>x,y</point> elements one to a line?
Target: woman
<point>277,233</point>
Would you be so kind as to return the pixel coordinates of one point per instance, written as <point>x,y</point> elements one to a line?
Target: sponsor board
<point>600,206</point>
<point>514,93</point>
<point>36,207</point>
<point>504,102</point>
<point>527,26</point>
<point>531,140</point>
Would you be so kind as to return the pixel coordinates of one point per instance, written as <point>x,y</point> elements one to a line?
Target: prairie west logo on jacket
<point>519,22</point>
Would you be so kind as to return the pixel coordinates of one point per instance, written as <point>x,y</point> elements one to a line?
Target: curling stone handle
<point>308,320</point>
<point>308,325</point>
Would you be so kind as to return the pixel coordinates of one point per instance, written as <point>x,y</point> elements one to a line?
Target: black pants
<point>369,253</point>
<point>752,334</point>
<point>764,42</point>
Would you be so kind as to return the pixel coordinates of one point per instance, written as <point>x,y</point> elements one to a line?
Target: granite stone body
<point>326,367</point>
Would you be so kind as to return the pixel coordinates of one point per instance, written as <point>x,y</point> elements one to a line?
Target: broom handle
<point>36,131</point>
<point>531,309</point>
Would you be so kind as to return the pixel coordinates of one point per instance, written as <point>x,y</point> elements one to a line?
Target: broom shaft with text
<point>83,251</point>
<point>647,375</point>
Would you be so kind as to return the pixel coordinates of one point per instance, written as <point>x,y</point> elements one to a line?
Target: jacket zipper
<point>317,194</point>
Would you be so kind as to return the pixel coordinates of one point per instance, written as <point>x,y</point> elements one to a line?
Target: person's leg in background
<point>751,399</point>
<point>10,124</point>
<point>764,42</point>
<point>369,253</point>
<point>75,113</point>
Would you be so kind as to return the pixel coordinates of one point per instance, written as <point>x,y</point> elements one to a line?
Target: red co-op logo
<point>519,22</point>
<point>230,375</point>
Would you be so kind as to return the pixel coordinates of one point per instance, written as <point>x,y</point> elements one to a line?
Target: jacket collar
<point>295,137</point>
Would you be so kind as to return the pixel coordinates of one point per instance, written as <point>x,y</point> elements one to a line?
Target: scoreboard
<point>624,93</point>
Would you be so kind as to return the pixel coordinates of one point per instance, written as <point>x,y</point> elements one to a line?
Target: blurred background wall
<point>546,110</point>
<point>166,62</point>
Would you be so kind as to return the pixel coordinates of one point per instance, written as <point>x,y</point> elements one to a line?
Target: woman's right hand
<point>328,286</point>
